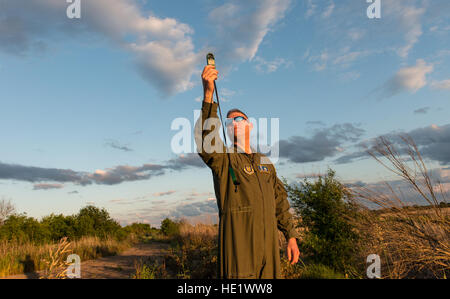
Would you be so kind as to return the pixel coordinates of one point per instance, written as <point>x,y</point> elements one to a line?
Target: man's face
<point>239,127</point>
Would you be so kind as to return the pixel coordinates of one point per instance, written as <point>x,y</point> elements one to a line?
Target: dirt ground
<point>114,267</point>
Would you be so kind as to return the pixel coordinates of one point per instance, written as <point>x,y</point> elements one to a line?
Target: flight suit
<point>250,214</point>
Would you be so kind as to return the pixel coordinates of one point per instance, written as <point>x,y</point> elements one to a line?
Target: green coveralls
<point>250,216</point>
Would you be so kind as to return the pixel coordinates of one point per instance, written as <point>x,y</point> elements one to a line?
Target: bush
<point>92,221</point>
<point>59,226</point>
<point>24,229</point>
<point>142,229</point>
<point>169,227</point>
<point>324,208</point>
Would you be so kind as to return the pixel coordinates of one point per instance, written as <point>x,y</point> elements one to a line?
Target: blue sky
<point>87,104</point>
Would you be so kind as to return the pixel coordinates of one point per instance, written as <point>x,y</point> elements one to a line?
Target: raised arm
<point>207,137</point>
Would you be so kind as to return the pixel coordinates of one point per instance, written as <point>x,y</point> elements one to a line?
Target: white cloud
<point>356,34</point>
<point>350,76</point>
<point>242,26</point>
<point>399,29</point>
<point>409,79</point>
<point>328,10</point>
<point>341,59</point>
<point>319,61</point>
<point>158,194</point>
<point>409,21</point>
<point>349,57</point>
<point>311,8</point>
<point>266,66</point>
<point>47,186</point>
<point>444,84</point>
<point>162,47</point>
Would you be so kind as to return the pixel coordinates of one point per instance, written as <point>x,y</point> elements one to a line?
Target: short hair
<point>236,110</point>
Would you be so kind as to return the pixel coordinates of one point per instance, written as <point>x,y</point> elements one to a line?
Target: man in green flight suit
<point>250,213</point>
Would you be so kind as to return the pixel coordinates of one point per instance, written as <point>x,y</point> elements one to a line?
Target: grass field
<point>17,258</point>
<point>411,245</point>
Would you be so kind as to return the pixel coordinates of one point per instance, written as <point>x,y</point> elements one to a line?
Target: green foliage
<point>59,226</point>
<point>149,269</point>
<point>90,221</point>
<point>21,227</point>
<point>139,229</point>
<point>169,227</point>
<point>324,208</point>
<point>443,204</point>
<point>143,231</point>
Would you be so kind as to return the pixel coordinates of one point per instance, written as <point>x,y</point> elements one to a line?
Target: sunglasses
<point>229,121</point>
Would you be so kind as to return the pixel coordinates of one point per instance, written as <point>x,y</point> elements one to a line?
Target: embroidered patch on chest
<point>263,169</point>
<point>248,169</point>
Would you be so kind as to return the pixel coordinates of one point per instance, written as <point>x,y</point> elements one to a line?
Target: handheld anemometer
<point>210,59</point>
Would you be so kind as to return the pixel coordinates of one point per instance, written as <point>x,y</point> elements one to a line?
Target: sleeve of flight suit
<point>207,137</point>
<point>285,220</point>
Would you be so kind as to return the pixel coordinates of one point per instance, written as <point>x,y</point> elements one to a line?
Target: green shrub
<point>169,227</point>
<point>149,269</point>
<point>23,228</point>
<point>324,207</point>
<point>59,226</point>
<point>92,221</point>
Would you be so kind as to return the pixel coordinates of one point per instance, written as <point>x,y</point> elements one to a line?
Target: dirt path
<point>120,266</point>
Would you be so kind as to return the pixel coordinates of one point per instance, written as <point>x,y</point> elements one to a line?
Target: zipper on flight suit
<point>251,157</point>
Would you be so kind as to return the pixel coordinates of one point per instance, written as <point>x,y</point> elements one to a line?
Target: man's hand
<point>292,251</point>
<point>208,76</point>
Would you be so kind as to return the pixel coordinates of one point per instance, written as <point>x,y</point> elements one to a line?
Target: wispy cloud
<point>433,143</point>
<point>185,160</point>
<point>405,190</point>
<point>307,175</point>
<point>162,47</point>
<point>319,61</point>
<point>444,84</point>
<point>410,79</point>
<point>409,20</point>
<point>124,173</point>
<point>339,59</point>
<point>109,176</point>
<point>423,110</point>
<point>47,186</point>
<point>310,8</point>
<point>266,66</point>
<point>194,209</point>
<point>328,10</point>
<point>159,194</point>
<point>344,24</point>
<point>324,143</point>
<point>257,17</point>
<point>116,145</point>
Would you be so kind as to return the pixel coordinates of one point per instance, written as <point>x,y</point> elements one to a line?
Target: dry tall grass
<point>199,233</point>
<point>412,243</point>
<point>194,252</point>
<point>56,264</point>
<point>17,258</point>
